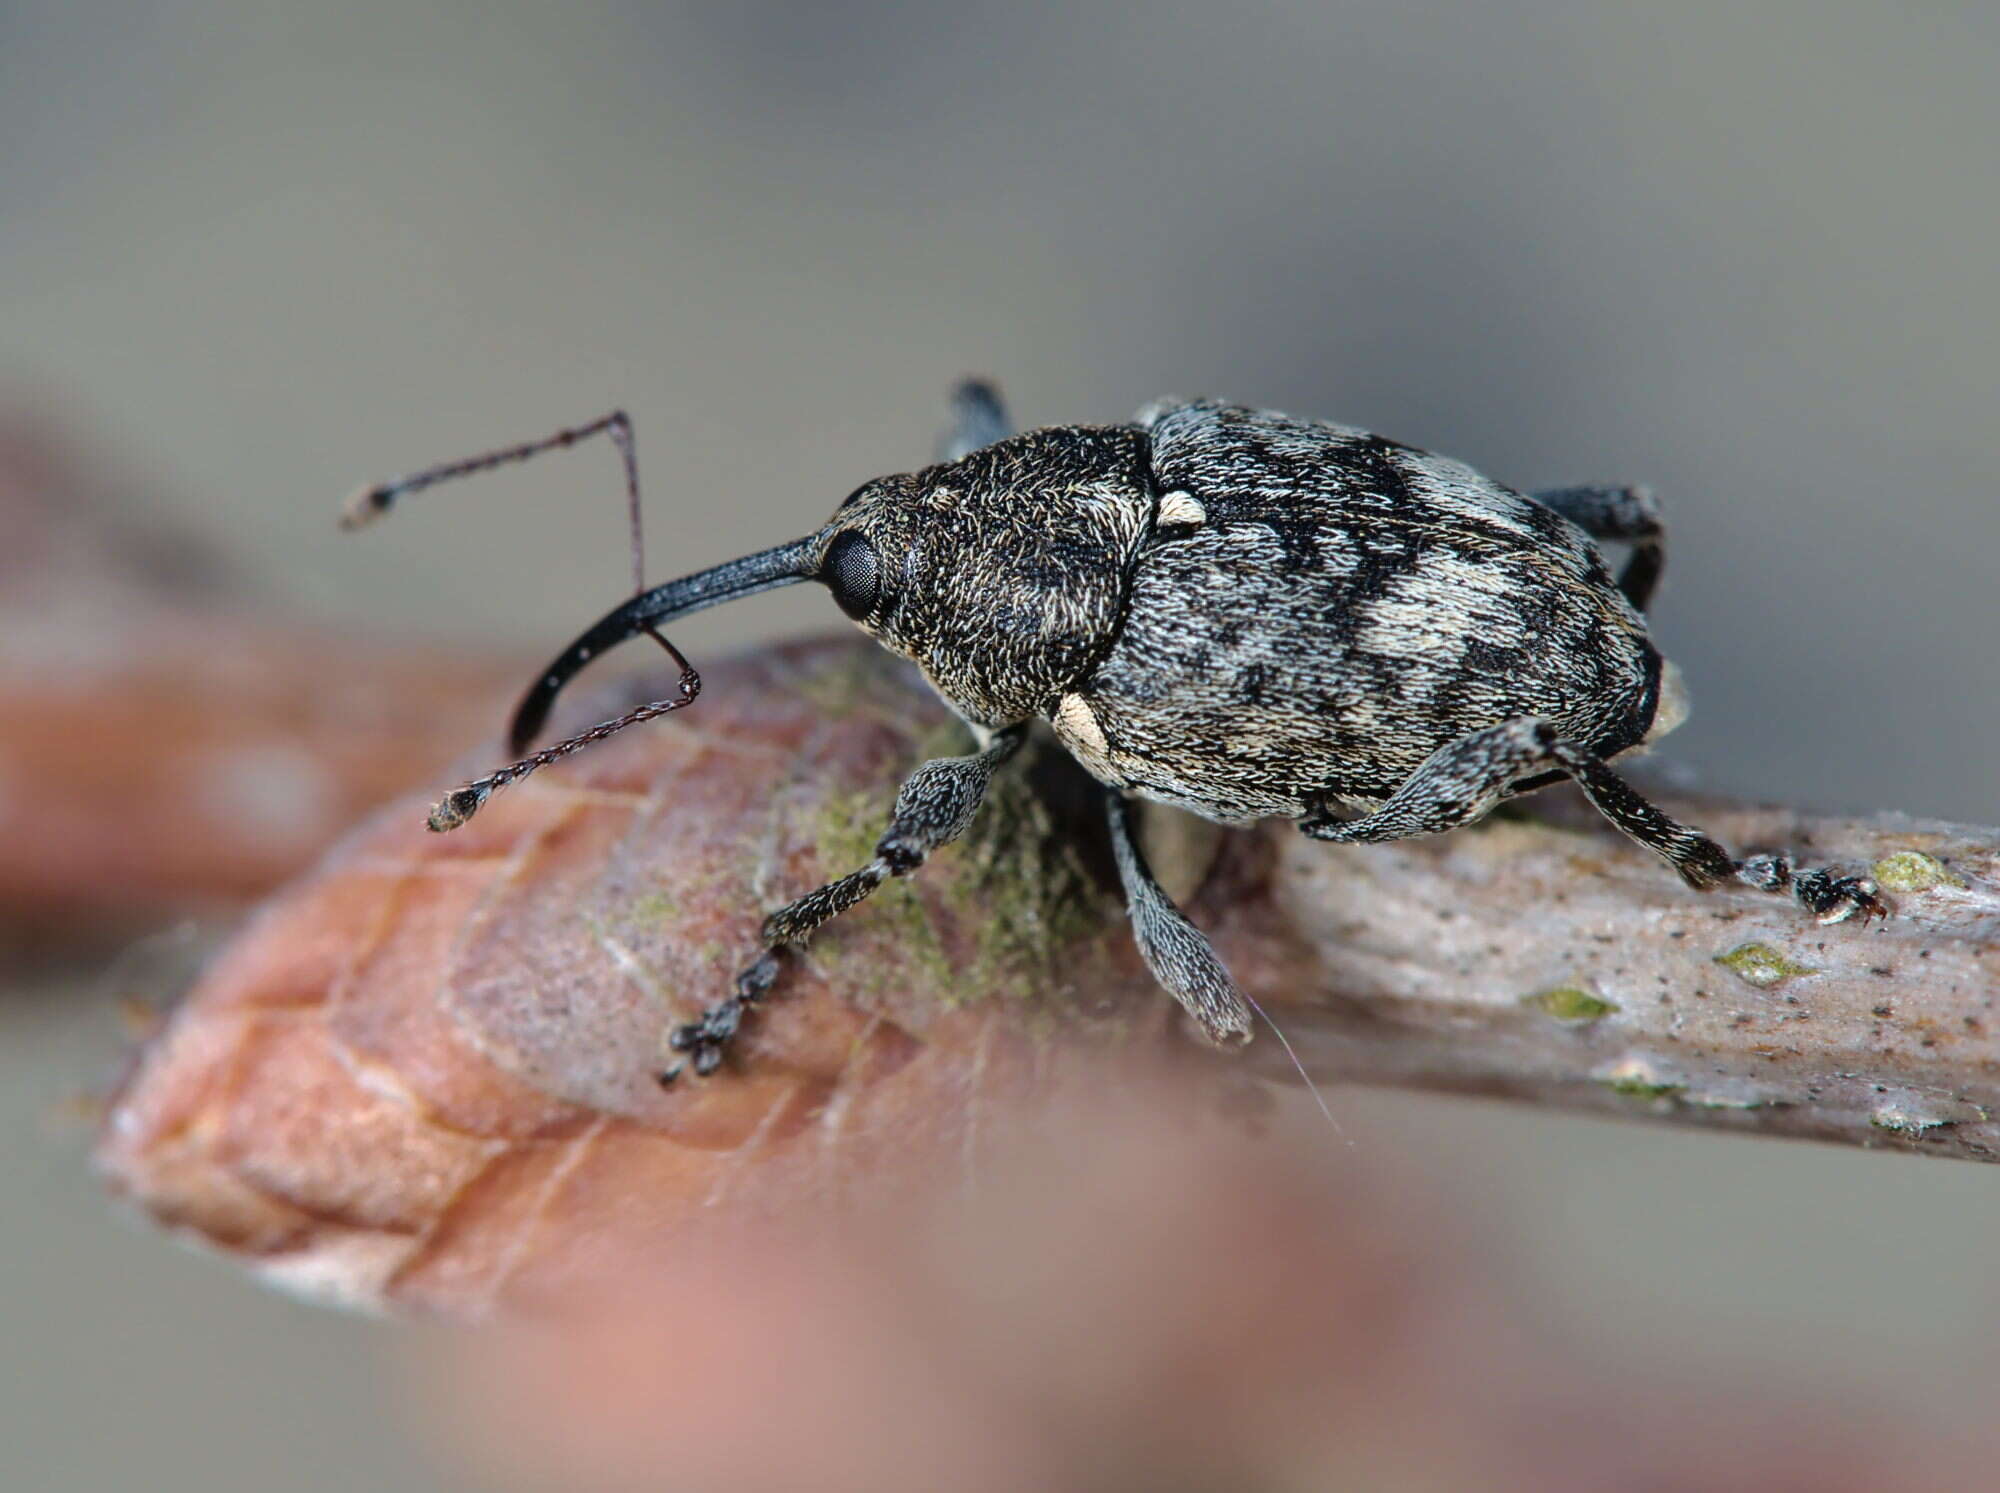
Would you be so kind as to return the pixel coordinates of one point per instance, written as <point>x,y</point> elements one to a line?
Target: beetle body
<point>1247,615</point>
<point>1229,610</point>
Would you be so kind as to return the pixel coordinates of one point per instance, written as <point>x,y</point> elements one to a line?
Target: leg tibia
<point>1176,951</point>
<point>1701,862</point>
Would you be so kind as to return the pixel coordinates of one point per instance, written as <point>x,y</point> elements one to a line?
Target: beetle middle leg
<point>1461,781</point>
<point>934,807</point>
<point>1177,952</point>
<point>1628,515</point>
<point>978,419</point>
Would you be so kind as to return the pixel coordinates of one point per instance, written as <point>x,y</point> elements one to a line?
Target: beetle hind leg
<point>934,807</point>
<point>1827,895</point>
<point>1178,953</point>
<point>1460,782</point>
<point>1627,515</point>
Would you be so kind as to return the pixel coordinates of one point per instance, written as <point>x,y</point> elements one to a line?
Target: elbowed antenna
<point>642,614</point>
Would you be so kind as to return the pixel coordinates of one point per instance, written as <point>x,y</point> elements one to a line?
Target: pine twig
<point>424,1074</point>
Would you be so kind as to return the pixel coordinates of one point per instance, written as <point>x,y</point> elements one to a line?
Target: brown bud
<point>426,1074</point>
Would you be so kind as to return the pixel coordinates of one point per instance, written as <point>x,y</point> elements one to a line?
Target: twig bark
<point>1544,958</point>
<point>425,1073</point>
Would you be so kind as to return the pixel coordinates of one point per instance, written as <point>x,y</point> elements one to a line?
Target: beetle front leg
<point>1177,952</point>
<point>934,807</point>
<point>1460,782</point>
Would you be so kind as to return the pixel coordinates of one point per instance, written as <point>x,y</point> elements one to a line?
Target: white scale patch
<point>1077,728</point>
<point>1182,508</point>
<point>1673,706</point>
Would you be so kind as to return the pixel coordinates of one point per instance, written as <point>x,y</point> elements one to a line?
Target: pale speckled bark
<point>422,1075</point>
<point>1547,959</point>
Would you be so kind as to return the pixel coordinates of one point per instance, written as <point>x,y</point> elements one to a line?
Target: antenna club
<point>368,504</point>
<point>458,806</point>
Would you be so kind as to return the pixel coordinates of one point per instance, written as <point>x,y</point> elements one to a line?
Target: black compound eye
<point>853,573</point>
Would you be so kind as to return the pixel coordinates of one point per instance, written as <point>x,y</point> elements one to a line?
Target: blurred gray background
<point>253,254</point>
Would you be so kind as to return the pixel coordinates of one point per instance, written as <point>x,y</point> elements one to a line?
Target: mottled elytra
<point>1233,611</point>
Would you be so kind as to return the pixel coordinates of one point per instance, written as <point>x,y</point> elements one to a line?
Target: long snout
<point>764,571</point>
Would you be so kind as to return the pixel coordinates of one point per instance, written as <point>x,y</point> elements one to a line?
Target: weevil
<point>1229,610</point>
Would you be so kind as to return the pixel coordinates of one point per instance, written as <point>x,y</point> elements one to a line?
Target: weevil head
<point>1002,575</point>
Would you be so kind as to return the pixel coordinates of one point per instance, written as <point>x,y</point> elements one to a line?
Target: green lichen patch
<point>1761,965</point>
<point>1635,1078</point>
<point>1000,914</point>
<point>655,910</point>
<point>1900,1120</point>
<point>1912,871</point>
<point>1024,891</point>
<point>1724,1091</point>
<point>1568,1004</point>
<point>845,827</point>
<point>1730,1099</point>
<point>1914,1114</point>
<point>1638,1088</point>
